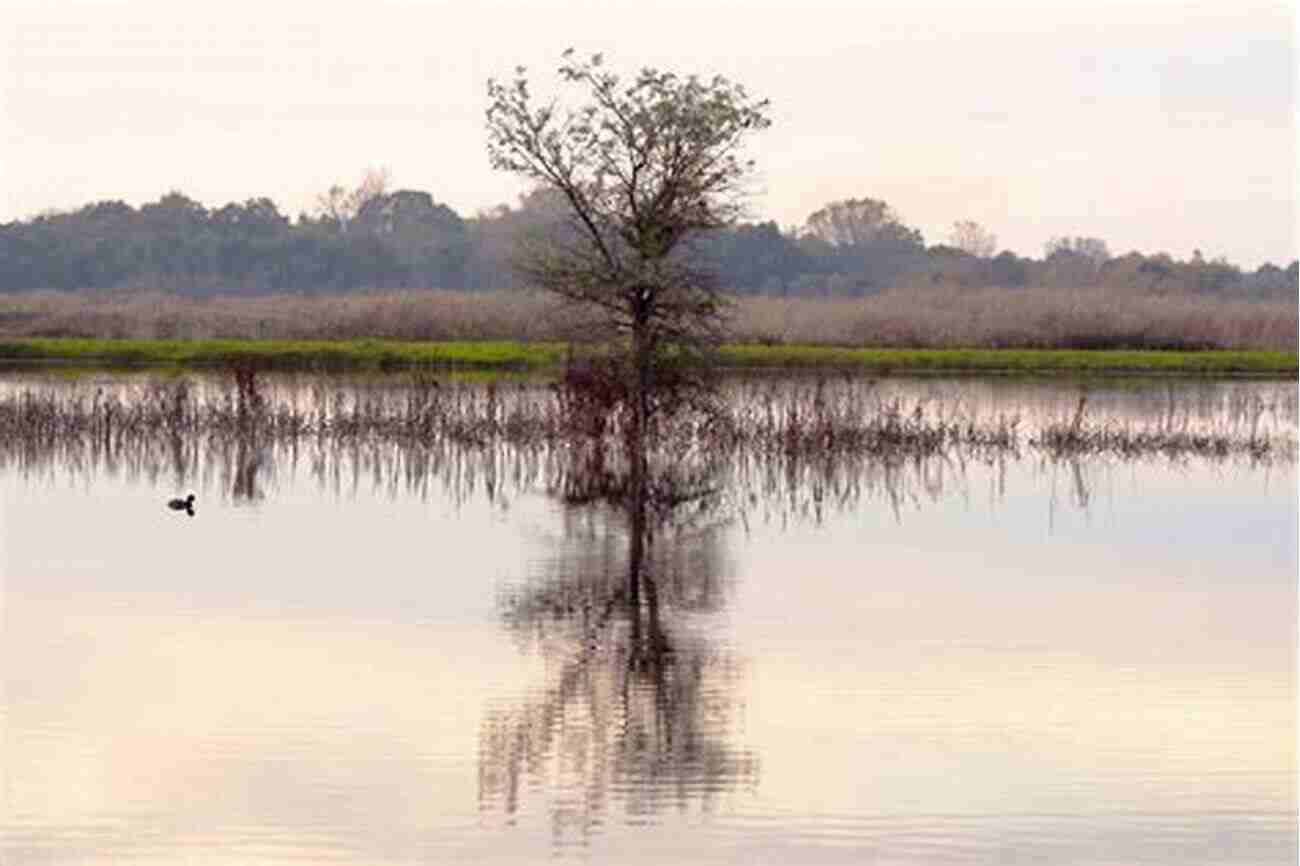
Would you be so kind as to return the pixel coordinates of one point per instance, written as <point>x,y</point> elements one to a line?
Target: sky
<point>1159,126</point>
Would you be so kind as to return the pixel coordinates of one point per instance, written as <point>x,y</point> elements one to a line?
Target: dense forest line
<point>373,238</point>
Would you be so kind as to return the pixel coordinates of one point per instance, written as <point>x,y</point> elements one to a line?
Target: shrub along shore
<point>516,356</point>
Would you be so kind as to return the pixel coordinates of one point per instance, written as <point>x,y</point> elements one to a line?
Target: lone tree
<point>644,166</point>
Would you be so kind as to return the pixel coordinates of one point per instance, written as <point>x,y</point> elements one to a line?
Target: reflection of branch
<point>632,711</point>
<point>1082,497</point>
<point>514,743</point>
<point>639,722</point>
<point>248,459</point>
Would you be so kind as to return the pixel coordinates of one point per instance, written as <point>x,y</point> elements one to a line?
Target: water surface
<point>371,655</point>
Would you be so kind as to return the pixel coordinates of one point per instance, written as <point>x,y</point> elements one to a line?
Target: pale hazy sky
<point>1154,126</point>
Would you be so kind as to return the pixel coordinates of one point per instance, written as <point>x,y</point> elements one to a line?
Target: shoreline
<point>515,356</point>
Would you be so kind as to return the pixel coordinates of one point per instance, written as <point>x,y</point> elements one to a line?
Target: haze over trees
<point>372,237</point>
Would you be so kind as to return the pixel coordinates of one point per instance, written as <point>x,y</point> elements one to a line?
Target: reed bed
<point>1079,436</point>
<point>823,418</point>
<point>763,449</point>
<point>435,316</point>
<point>794,419</point>
<point>934,317</point>
<point>995,318</point>
<point>427,412</point>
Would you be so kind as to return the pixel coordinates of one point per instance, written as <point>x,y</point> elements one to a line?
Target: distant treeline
<point>373,238</point>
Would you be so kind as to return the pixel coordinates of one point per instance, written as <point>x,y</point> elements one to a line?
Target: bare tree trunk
<point>642,359</point>
<point>636,549</point>
<point>636,444</point>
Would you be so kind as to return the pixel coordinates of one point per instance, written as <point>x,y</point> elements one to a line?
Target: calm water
<point>368,656</point>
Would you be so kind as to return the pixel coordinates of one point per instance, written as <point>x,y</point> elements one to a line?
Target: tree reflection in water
<point>639,711</point>
<point>247,460</point>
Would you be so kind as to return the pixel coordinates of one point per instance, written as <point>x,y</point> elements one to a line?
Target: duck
<point>186,504</point>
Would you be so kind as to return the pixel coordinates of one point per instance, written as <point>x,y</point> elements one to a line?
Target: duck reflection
<point>639,710</point>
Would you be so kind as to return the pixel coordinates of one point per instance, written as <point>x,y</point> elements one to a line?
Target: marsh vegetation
<point>943,317</point>
<point>572,437</point>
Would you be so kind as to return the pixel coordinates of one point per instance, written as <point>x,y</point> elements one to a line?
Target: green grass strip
<point>287,354</point>
<point>507,355</point>
<point>1015,360</point>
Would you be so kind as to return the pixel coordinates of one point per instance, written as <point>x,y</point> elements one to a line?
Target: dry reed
<point>903,318</point>
<point>775,450</point>
<point>804,420</point>
<point>1020,319</point>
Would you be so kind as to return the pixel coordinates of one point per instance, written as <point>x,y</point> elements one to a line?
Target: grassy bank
<point>512,355</point>
<point>1257,362</point>
<point>288,354</point>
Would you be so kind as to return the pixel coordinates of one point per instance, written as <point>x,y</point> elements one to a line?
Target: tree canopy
<point>645,166</point>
